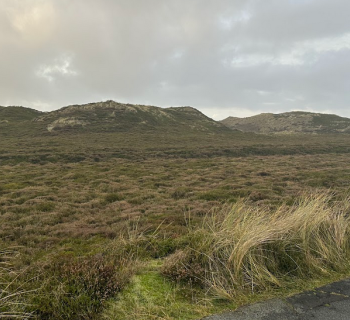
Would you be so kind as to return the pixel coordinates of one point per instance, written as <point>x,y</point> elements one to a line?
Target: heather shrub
<point>77,287</point>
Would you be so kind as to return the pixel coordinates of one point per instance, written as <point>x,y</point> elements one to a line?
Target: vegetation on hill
<point>108,130</point>
<point>17,114</point>
<point>16,122</point>
<point>290,122</point>
<point>111,116</point>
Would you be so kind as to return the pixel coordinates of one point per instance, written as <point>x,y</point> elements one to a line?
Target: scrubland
<point>169,233</point>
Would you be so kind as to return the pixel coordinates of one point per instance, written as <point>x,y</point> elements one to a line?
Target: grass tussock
<point>251,248</point>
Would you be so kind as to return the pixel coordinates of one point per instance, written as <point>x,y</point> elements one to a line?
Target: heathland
<point>120,211</point>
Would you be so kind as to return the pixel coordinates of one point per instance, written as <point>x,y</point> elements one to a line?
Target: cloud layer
<point>224,57</point>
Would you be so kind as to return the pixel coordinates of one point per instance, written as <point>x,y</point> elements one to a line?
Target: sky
<point>223,57</point>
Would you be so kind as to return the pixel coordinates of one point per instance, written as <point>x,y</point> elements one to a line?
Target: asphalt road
<point>331,302</point>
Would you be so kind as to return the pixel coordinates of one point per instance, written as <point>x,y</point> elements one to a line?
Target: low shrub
<point>76,287</point>
<point>113,197</point>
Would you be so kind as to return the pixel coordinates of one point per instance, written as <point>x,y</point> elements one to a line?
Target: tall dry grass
<point>12,305</point>
<point>248,247</point>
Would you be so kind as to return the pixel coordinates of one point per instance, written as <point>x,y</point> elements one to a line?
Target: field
<point>90,224</point>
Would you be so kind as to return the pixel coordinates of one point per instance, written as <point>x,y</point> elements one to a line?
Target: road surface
<point>331,302</point>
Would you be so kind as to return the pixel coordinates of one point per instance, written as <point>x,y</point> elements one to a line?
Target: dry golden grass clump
<point>251,248</point>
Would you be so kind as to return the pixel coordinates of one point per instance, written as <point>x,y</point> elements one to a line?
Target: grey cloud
<point>274,55</point>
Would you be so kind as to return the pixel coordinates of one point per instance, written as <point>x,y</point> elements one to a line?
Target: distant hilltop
<point>111,116</point>
<point>290,122</point>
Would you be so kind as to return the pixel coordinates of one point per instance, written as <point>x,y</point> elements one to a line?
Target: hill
<point>111,116</point>
<point>106,130</point>
<point>17,114</point>
<point>290,122</point>
<point>112,130</point>
<point>17,121</point>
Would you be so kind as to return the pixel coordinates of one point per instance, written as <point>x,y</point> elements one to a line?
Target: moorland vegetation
<point>141,213</point>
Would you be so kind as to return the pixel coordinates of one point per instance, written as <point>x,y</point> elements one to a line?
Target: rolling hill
<point>110,129</point>
<point>111,116</point>
<point>290,122</point>
<point>106,130</point>
<point>17,114</point>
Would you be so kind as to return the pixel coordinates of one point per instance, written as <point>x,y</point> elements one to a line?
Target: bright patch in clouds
<point>227,23</point>
<point>60,67</point>
<point>178,54</point>
<point>33,20</point>
<point>301,53</point>
<point>331,44</point>
<point>229,112</point>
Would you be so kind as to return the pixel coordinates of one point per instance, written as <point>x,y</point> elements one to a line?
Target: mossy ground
<point>151,296</point>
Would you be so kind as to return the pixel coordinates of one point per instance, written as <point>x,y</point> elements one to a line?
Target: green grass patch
<point>151,296</point>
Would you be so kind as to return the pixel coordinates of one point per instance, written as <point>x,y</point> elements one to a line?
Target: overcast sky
<point>223,57</point>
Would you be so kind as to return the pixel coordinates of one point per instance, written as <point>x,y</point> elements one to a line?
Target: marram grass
<point>249,248</point>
